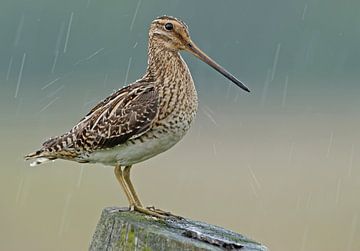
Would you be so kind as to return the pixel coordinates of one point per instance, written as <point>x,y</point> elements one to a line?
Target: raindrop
<point>89,57</point>
<point>19,30</point>
<point>135,14</point>
<point>283,103</point>
<point>304,12</point>
<point>236,97</point>
<point>214,149</point>
<point>57,46</point>
<point>338,187</point>
<point>20,189</point>
<point>68,31</point>
<point>20,75</point>
<point>52,94</point>
<point>106,79</point>
<point>9,68</point>
<point>253,189</point>
<point>78,184</point>
<point>208,114</point>
<point>275,62</point>
<point>266,87</point>
<point>304,238</point>
<point>64,215</point>
<point>128,70</point>
<point>354,223</point>
<point>50,83</point>
<point>49,104</point>
<point>257,183</point>
<point>55,61</point>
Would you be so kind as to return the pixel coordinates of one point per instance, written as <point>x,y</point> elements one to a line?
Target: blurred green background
<point>280,165</point>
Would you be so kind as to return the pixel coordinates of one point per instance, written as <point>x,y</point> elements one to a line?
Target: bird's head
<point>173,34</point>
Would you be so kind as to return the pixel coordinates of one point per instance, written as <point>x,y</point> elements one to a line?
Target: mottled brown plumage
<point>143,119</point>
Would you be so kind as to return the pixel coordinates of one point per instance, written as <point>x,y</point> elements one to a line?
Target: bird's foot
<point>155,212</point>
<point>148,211</point>
<point>164,213</point>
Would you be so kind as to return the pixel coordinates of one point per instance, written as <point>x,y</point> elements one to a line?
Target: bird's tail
<point>39,157</point>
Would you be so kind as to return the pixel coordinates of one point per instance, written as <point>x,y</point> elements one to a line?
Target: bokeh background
<point>280,165</point>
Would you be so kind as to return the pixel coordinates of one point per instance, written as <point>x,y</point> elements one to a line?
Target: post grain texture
<point>120,229</point>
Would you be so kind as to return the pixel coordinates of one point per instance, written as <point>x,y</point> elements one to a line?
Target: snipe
<point>143,119</point>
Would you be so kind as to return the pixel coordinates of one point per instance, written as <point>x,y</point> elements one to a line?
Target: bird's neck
<point>172,78</point>
<point>166,65</point>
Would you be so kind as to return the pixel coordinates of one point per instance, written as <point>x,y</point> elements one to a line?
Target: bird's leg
<point>126,175</point>
<point>137,204</point>
<point>120,177</point>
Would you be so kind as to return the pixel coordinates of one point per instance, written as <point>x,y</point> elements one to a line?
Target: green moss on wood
<point>119,229</point>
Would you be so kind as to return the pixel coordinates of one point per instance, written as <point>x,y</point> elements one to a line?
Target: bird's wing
<point>126,114</point>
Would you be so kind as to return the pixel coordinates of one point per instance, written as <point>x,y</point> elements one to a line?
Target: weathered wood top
<point>119,229</point>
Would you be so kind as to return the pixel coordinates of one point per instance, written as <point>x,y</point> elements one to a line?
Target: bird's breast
<point>150,144</point>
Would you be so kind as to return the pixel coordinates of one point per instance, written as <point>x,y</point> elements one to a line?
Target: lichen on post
<point>120,229</point>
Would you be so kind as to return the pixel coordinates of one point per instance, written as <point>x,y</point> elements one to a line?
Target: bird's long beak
<point>192,48</point>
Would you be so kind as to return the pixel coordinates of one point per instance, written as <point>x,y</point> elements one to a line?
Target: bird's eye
<point>169,26</point>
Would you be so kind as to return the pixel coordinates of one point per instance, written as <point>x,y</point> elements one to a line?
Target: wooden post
<point>120,229</point>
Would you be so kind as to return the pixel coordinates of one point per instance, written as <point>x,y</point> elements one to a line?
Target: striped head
<point>169,33</point>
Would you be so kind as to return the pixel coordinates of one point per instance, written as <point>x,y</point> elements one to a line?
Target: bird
<point>142,119</point>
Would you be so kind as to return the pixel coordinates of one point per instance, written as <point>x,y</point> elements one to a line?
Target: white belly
<point>129,154</point>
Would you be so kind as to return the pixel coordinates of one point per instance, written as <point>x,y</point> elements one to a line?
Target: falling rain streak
<point>275,63</point>
<point>105,80</point>
<point>208,114</point>
<point>338,188</point>
<point>283,103</point>
<point>50,83</point>
<point>128,70</point>
<point>78,184</point>
<point>266,87</point>
<point>19,31</point>
<point>253,188</point>
<point>253,176</point>
<point>304,239</point>
<point>354,223</point>
<point>52,94</point>
<point>304,12</point>
<point>89,57</point>
<point>57,46</point>
<point>20,189</point>
<point>49,104</point>
<point>214,149</point>
<point>64,215</point>
<point>330,144</point>
<point>20,75</point>
<point>68,31</point>
<point>135,14</point>
<point>9,68</point>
